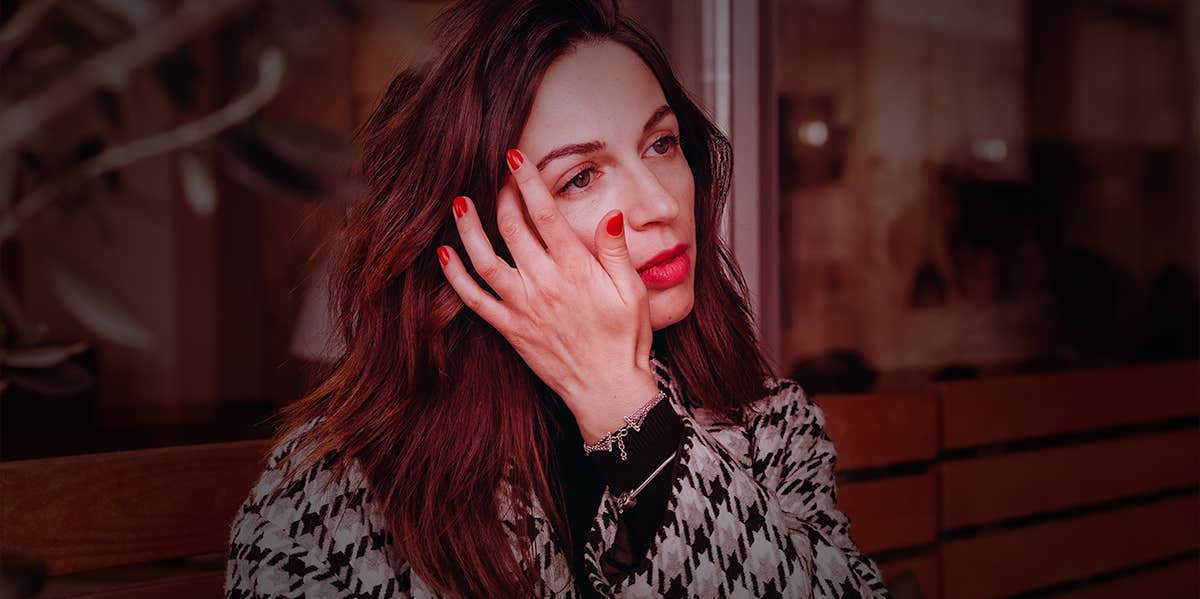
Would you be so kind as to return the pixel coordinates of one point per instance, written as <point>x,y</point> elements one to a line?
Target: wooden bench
<point>155,523</point>
<point>887,446</point>
<point>149,523</point>
<point>1081,484</point>
<point>1084,484</point>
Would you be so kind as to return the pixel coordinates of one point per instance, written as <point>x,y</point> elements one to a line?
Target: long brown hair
<point>430,400</point>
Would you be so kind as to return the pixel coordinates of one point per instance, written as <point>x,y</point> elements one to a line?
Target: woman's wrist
<point>658,438</point>
<point>606,409</point>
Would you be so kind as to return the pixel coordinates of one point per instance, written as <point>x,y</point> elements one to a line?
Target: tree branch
<point>270,76</point>
<point>20,25</point>
<point>112,67</point>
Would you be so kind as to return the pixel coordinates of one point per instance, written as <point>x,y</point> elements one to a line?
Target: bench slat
<point>100,520</point>
<point>985,490</point>
<point>991,411</point>
<point>925,567</point>
<point>183,580</point>
<point>97,511</point>
<point>1033,557</point>
<point>891,513</point>
<point>1178,579</point>
<point>881,428</point>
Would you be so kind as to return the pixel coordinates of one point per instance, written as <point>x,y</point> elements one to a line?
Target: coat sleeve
<point>763,524</point>
<point>656,443</point>
<point>306,540</point>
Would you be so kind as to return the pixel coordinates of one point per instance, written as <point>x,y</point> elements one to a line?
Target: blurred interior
<point>964,190</point>
<point>972,189</point>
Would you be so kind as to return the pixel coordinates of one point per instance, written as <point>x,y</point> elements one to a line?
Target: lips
<point>664,256</point>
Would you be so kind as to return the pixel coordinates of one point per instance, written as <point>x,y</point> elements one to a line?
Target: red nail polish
<point>443,254</point>
<point>460,206</point>
<point>615,224</point>
<point>514,159</point>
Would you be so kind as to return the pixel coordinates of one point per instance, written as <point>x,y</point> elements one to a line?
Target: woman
<point>551,383</point>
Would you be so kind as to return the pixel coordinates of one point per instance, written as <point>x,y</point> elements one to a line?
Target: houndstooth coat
<point>752,513</point>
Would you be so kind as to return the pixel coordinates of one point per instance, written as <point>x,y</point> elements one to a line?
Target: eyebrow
<point>593,146</point>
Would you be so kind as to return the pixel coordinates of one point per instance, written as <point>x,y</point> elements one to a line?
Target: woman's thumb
<point>613,254</point>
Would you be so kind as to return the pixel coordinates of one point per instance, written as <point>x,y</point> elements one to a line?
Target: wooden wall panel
<point>1178,579</point>
<point>984,490</point>
<point>1013,561</point>
<point>103,510</point>
<point>925,567</point>
<point>891,513</point>
<point>186,581</point>
<point>983,412</point>
<point>881,428</point>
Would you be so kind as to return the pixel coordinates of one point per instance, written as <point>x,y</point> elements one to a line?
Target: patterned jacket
<point>752,513</point>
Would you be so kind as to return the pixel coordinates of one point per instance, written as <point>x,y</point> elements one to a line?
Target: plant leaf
<point>256,165</point>
<point>41,357</point>
<point>199,189</point>
<point>96,309</point>
<point>326,155</point>
<point>304,144</point>
<point>64,380</point>
<point>137,13</point>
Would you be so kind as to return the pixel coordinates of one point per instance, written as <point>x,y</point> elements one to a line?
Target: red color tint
<point>419,367</point>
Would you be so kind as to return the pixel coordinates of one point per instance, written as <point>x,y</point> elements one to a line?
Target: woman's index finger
<point>549,221</point>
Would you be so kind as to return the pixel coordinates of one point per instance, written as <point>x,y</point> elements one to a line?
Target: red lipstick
<point>667,268</point>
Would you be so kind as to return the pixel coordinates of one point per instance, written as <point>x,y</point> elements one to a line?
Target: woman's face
<point>603,138</point>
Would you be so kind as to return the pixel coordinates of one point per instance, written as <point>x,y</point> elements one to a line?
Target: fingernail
<point>615,224</point>
<point>443,254</point>
<point>514,159</point>
<point>460,206</point>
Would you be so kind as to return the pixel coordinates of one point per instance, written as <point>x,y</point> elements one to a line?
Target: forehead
<point>600,90</point>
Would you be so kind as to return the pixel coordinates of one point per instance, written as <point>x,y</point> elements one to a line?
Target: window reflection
<point>971,189</point>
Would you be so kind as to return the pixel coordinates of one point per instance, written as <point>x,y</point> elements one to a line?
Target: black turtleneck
<point>584,478</point>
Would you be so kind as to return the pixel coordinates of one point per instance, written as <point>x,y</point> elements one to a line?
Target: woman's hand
<point>581,322</point>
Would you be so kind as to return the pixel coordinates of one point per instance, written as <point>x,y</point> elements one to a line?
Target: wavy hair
<point>431,401</point>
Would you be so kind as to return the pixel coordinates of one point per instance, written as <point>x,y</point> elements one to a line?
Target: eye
<point>664,144</point>
<point>580,181</point>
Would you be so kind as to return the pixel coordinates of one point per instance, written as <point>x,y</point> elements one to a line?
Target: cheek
<point>678,180</point>
<point>584,214</point>
<point>583,221</point>
<point>586,236</point>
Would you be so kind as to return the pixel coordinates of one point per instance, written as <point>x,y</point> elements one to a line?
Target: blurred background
<point>925,191</point>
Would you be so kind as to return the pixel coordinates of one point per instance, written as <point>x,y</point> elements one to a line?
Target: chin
<point>670,306</point>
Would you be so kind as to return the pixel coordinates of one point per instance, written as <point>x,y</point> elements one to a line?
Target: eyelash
<point>674,143</point>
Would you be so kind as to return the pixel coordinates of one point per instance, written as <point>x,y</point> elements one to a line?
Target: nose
<point>647,201</point>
